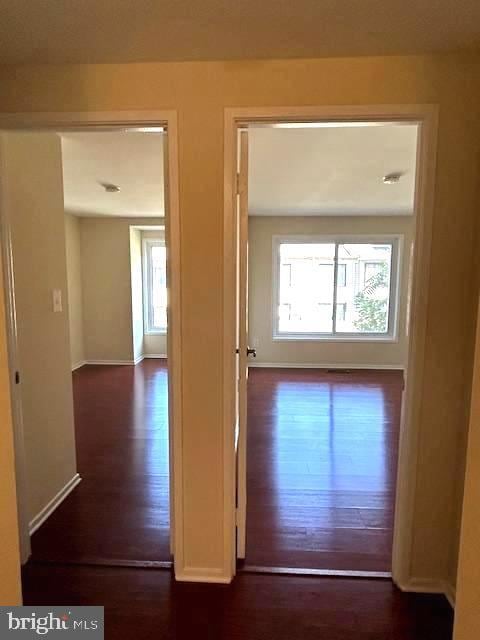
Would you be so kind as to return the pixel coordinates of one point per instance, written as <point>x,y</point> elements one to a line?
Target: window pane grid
<point>334,288</point>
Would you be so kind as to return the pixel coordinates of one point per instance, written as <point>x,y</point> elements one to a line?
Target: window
<point>371,269</point>
<point>342,275</point>
<point>336,289</point>
<point>155,286</point>
<point>341,311</point>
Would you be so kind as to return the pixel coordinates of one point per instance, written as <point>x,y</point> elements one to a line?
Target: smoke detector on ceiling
<point>393,178</point>
<point>109,187</point>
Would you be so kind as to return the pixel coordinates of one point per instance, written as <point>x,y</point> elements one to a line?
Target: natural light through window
<point>336,289</point>
<point>155,286</point>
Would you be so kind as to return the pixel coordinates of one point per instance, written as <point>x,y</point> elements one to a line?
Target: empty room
<point>91,343</point>
<point>331,226</point>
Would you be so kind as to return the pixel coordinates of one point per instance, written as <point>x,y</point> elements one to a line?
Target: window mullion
<point>335,286</point>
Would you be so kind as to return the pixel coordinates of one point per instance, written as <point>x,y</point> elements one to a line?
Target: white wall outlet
<point>57,300</point>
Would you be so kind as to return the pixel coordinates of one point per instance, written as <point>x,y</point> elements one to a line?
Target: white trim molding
<point>77,365</point>
<point>203,574</point>
<point>122,362</point>
<point>450,593</point>
<point>114,120</point>
<point>322,365</point>
<point>36,522</point>
<point>114,362</point>
<point>426,117</point>
<point>426,585</point>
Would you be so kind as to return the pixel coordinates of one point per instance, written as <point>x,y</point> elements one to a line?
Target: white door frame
<point>94,121</point>
<point>427,118</point>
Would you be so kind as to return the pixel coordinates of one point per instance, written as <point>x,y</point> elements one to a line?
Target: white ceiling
<point>131,160</point>
<point>331,171</point>
<point>91,31</point>
<point>299,171</point>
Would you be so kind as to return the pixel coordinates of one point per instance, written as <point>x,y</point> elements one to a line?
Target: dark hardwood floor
<point>120,510</point>
<point>322,453</point>
<point>145,604</point>
<point>322,460</point>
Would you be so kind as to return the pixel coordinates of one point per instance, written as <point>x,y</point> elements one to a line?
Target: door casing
<point>426,116</point>
<point>108,121</point>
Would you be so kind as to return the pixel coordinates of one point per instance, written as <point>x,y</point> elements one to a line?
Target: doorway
<point>118,394</point>
<point>318,436</point>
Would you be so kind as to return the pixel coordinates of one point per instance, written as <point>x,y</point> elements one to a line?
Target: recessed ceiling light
<point>109,187</point>
<point>393,178</point>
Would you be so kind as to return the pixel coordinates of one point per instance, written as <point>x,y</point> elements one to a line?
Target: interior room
<point>331,224</point>
<point>94,388</point>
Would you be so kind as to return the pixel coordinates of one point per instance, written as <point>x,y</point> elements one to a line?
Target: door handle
<point>250,352</point>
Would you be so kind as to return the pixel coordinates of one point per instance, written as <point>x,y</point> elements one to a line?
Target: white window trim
<point>147,244</point>
<point>396,242</point>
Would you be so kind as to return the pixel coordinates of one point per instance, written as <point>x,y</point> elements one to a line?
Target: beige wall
<point>155,345</point>
<point>33,193</point>
<point>107,287</point>
<point>200,92</point>
<point>261,231</point>
<point>467,624</point>
<point>75,296</point>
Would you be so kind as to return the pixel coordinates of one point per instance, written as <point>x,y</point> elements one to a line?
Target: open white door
<point>243,350</point>
<point>170,345</point>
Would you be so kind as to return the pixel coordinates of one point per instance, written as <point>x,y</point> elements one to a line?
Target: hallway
<point>321,468</point>
<point>120,510</point>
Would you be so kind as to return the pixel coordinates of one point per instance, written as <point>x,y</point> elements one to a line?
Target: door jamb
<point>426,116</point>
<point>111,120</point>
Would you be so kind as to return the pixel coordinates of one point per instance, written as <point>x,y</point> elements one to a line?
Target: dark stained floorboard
<point>322,450</point>
<point>143,604</point>
<point>120,510</point>
<point>321,468</point>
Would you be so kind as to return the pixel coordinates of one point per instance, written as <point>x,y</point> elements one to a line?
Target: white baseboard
<point>194,574</point>
<point>124,362</point>
<point>50,507</point>
<point>425,585</point>
<point>451,594</point>
<point>77,365</point>
<point>111,362</point>
<point>322,365</point>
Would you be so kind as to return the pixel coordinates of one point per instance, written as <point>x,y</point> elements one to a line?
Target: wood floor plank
<point>322,453</point>
<point>322,458</point>
<point>120,510</point>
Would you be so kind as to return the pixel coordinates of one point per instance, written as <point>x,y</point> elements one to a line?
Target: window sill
<point>323,338</point>
<point>155,333</point>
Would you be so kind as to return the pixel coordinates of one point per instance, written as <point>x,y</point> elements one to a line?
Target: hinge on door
<point>17,377</point>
